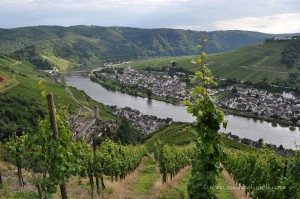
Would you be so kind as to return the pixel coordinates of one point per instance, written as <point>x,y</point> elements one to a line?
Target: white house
<point>288,95</point>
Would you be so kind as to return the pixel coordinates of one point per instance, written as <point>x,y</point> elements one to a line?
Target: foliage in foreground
<point>264,174</point>
<point>208,153</point>
<point>171,159</point>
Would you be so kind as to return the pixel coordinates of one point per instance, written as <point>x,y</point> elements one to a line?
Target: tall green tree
<point>127,134</point>
<point>208,152</point>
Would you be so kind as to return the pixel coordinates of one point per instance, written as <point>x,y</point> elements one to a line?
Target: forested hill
<point>47,46</point>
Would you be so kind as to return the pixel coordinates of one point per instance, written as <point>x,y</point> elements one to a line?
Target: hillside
<point>254,63</point>
<point>21,100</point>
<point>143,182</point>
<point>64,47</point>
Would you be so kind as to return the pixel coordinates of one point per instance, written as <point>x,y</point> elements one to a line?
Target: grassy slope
<point>181,61</point>
<point>9,79</point>
<point>29,87</point>
<point>8,82</point>
<point>252,62</point>
<point>176,134</point>
<point>183,133</point>
<point>24,81</point>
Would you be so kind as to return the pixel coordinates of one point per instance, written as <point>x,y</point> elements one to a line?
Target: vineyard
<point>105,168</point>
<point>264,174</point>
<point>171,159</point>
<point>178,161</point>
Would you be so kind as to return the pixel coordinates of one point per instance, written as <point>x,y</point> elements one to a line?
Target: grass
<point>79,95</point>
<point>5,61</point>
<point>175,134</point>
<point>231,144</point>
<point>148,176</point>
<point>84,99</point>
<point>60,63</point>
<point>181,61</point>
<point>182,134</point>
<point>8,82</point>
<point>226,94</point>
<point>25,68</point>
<point>10,188</point>
<point>224,191</point>
<point>30,88</point>
<point>179,190</point>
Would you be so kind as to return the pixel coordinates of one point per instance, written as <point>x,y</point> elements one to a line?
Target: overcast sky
<point>269,16</point>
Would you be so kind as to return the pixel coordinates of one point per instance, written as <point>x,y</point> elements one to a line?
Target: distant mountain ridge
<point>47,46</point>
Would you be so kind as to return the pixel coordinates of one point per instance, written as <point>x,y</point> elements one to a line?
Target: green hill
<point>21,100</point>
<point>176,134</point>
<point>181,134</point>
<point>63,47</point>
<point>254,63</point>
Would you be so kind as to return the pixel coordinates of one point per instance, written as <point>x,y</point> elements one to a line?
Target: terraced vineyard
<point>253,62</point>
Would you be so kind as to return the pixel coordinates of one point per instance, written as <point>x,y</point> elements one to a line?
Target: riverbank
<point>274,122</point>
<point>135,91</point>
<point>241,126</point>
<point>131,90</point>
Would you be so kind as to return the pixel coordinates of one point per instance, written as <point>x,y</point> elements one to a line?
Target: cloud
<point>280,23</point>
<point>184,14</point>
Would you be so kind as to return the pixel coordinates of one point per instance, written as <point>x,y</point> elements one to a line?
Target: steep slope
<point>253,63</point>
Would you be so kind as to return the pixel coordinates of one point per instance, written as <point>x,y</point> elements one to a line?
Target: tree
<point>173,63</point>
<point>208,152</point>
<point>149,93</point>
<point>234,90</point>
<point>127,134</point>
<point>294,120</point>
<point>260,142</point>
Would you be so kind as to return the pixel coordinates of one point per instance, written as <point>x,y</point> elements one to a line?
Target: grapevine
<point>208,153</point>
<point>171,159</point>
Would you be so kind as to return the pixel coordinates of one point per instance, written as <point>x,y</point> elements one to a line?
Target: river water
<point>243,127</point>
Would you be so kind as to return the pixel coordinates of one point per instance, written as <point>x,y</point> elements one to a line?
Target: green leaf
<point>208,148</point>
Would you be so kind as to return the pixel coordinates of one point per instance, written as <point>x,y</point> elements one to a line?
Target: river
<point>243,127</point>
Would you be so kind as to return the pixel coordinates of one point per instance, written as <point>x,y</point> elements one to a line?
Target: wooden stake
<point>51,108</point>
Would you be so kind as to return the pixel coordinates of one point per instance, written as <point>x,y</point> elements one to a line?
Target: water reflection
<point>149,101</point>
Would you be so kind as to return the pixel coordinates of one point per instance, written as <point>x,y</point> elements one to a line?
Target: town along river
<point>240,126</point>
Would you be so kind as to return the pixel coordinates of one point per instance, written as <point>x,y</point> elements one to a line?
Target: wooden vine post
<point>94,159</point>
<point>19,163</point>
<point>51,109</point>
<point>0,178</point>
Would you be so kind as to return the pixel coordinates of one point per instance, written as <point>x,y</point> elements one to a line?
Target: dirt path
<point>16,63</point>
<point>124,189</point>
<point>237,191</point>
<point>142,184</point>
<point>160,189</point>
